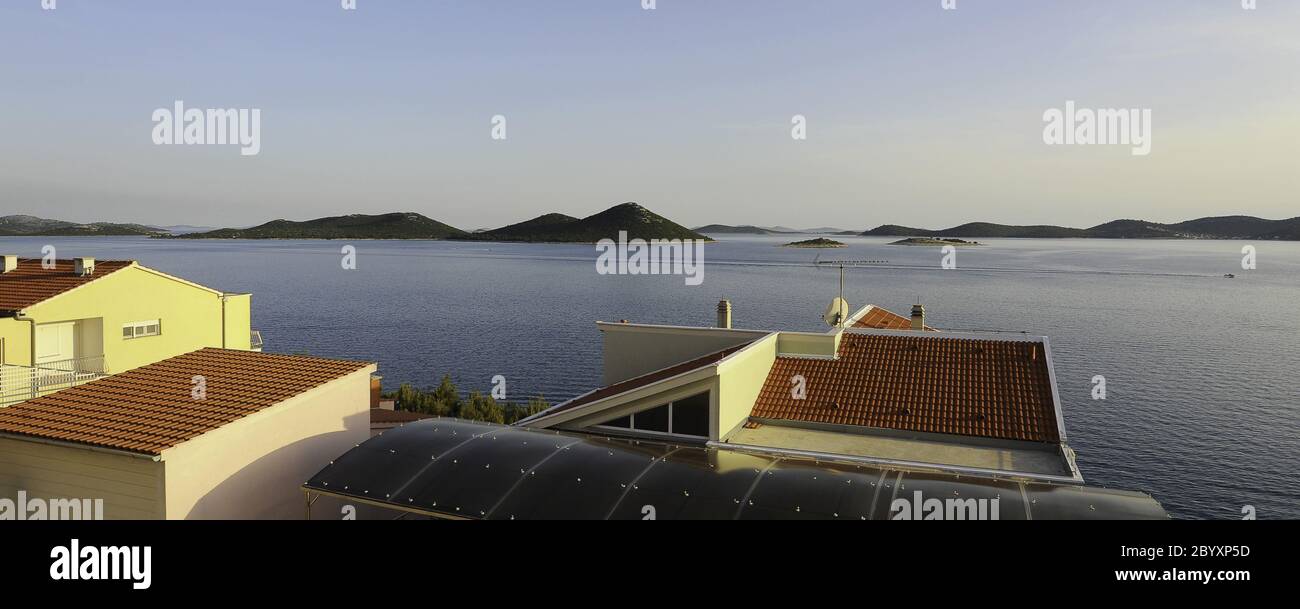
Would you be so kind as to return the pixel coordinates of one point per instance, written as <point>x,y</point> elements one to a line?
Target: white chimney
<point>83,266</point>
<point>10,262</point>
<point>724,314</point>
<point>918,317</point>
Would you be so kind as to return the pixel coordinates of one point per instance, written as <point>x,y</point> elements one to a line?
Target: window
<point>655,419</point>
<point>691,416</point>
<point>685,417</point>
<point>621,422</point>
<point>141,329</point>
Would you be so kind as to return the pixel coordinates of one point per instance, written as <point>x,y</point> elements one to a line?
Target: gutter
<point>89,447</point>
<point>21,316</point>
<point>224,299</point>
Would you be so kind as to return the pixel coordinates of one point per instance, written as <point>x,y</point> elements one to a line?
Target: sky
<point>914,114</point>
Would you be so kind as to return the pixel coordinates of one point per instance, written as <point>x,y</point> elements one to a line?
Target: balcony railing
<point>22,383</point>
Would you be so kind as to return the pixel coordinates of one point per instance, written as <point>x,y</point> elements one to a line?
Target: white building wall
<point>254,468</point>
<point>131,487</point>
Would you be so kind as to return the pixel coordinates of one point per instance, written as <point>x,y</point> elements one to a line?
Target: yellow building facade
<point>119,316</point>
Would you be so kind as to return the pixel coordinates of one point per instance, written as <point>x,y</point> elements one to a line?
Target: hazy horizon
<point>737,223</point>
<point>916,115</point>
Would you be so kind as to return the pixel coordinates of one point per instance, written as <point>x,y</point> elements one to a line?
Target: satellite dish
<point>837,312</point>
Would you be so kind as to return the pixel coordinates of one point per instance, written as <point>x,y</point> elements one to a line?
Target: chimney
<point>9,263</point>
<point>83,266</point>
<point>918,316</point>
<point>724,313</point>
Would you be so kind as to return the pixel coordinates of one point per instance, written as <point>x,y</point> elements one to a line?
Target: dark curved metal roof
<point>462,469</point>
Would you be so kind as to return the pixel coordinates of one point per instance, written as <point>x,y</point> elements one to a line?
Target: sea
<point>1202,370</point>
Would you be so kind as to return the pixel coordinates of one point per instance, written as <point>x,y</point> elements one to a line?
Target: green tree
<point>442,402</point>
<point>481,407</point>
<point>445,401</point>
<point>446,398</point>
<point>517,412</point>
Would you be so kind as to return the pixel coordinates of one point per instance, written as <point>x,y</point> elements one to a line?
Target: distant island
<point>935,241</point>
<point>32,226</point>
<point>1222,227</point>
<point>407,225</point>
<point>746,229</point>
<point>637,221</point>
<point>641,223</point>
<point>820,242</point>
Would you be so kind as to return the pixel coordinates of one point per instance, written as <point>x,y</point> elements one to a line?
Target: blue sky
<point>916,115</point>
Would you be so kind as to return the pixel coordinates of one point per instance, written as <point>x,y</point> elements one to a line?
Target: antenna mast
<point>842,315</point>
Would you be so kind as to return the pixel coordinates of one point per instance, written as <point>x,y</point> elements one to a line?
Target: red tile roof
<point>31,283</point>
<point>151,409</point>
<point>939,384</point>
<point>882,319</point>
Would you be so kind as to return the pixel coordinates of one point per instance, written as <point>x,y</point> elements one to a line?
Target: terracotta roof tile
<point>151,409</point>
<point>882,319</point>
<point>31,283</point>
<point>938,384</point>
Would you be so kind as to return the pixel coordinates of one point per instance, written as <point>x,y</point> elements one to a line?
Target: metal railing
<point>22,383</point>
<point>255,341</point>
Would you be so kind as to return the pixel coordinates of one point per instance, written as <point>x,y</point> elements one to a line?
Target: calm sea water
<point>1203,372</point>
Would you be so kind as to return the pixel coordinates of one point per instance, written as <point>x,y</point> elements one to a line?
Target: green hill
<point>1132,229</point>
<point>526,229</point>
<point>25,225</point>
<point>815,243</point>
<point>1241,227</point>
<point>639,222</point>
<point>723,229</point>
<point>979,229</point>
<point>1225,227</point>
<point>1284,230</point>
<point>406,225</point>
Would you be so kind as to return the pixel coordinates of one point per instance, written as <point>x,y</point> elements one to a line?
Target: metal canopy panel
<point>462,469</point>
<point>381,466</point>
<point>1059,502</point>
<point>957,491</point>
<point>693,483</point>
<point>471,478</point>
<point>803,490</point>
<point>584,481</point>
